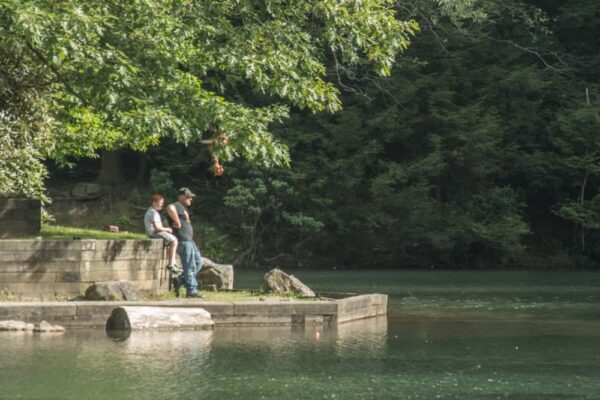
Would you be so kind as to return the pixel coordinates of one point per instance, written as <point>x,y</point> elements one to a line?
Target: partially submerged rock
<point>279,282</point>
<point>212,273</point>
<point>113,290</point>
<point>146,318</point>
<point>12,325</point>
<point>44,327</point>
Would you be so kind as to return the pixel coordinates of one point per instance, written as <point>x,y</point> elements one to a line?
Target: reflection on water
<point>438,341</point>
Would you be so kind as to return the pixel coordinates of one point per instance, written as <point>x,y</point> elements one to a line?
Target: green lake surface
<point>448,335</point>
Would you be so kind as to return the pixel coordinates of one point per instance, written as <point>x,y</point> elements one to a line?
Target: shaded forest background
<point>481,149</point>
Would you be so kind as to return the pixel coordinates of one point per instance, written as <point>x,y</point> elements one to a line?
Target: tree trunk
<point>111,171</point>
<point>142,168</point>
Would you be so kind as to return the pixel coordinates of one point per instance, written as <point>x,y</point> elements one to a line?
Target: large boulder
<point>279,282</point>
<point>148,318</point>
<point>86,191</point>
<point>220,275</point>
<point>113,290</point>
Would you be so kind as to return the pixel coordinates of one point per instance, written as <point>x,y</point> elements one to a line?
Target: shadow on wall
<point>114,248</point>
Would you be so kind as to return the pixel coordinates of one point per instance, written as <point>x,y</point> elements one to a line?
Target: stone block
<point>280,309</point>
<point>34,312</point>
<point>36,256</point>
<point>150,318</point>
<point>218,308</point>
<point>19,203</point>
<point>112,275</point>
<point>136,245</point>
<point>11,228</point>
<point>47,245</point>
<point>39,266</point>
<point>26,277</point>
<point>19,217</point>
<point>122,255</point>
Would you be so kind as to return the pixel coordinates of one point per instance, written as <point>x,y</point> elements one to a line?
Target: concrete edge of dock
<point>94,314</point>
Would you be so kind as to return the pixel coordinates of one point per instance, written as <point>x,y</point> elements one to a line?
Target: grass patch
<point>64,232</point>
<point>221,296</point>
<point>235,295</point>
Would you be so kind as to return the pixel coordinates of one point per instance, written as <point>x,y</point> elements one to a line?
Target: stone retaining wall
<point>47,269</point>
<point>94,314</point>
<point>19,217</point>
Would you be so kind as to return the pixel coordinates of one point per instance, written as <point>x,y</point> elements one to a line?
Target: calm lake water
<point>448,335</point>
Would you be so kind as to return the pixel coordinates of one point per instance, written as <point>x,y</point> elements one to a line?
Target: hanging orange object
<point>218,169</point>
<point>223,137</point>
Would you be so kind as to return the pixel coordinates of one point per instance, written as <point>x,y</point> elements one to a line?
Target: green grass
<point>64,232</point>
<point>237,295</point>
<point>222,296</point>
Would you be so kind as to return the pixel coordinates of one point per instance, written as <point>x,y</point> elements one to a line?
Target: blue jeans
<point>192,263</point>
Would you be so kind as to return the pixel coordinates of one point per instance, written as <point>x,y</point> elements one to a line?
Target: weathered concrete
<point>327,313</point>
<point>19,217</point>
<point>47,269</point>
<point>156,318</point>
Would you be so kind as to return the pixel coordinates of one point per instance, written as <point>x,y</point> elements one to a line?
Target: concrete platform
<point>94,314</point>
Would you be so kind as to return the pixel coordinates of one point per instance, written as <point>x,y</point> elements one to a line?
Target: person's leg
<point>170,242</point>
<point>188,259</point>
<point>197,266</point>
<point>171,251</point>
<point>186,254</point>
<point>197,258</point>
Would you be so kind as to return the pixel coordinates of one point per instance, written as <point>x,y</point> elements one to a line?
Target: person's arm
<point>161,228</point>
<point>174,217</point>
<point>157,224</point>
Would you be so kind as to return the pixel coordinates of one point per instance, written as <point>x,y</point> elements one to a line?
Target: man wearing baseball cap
<point>179,218</point>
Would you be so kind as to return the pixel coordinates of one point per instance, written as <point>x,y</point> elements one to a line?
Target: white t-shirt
<point>152,217</point>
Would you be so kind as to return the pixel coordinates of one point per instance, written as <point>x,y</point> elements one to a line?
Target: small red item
<point>112,228</point>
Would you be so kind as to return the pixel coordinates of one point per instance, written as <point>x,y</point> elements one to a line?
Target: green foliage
<point>264,215</point>
<point>480,147</point>
<point>21,169</point>
<point>103,75</point>
<point>214,244</point>
<point>161,183</point>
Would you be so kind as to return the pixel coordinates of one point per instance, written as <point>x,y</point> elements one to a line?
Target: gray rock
<point>147,318</point>
<point>279,282</point>
<point>12,325</point>
<point>86,191</point>
<point>113,290</point>
<point>212,273</point>
<point>44,327</point>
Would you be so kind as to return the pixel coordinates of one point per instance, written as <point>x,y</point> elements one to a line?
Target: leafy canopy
<point>109,74</point>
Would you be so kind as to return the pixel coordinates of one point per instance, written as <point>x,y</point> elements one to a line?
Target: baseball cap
<point>186,192</point>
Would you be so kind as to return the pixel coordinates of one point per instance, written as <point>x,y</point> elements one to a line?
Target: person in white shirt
<point>154,229</point>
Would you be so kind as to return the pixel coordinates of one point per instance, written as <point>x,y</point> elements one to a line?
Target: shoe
<point>176,285</point>
<point>174,269</point>
<point>195,296</point>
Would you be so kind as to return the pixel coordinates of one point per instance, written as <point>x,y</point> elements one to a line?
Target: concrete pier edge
<point>94,314</point>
